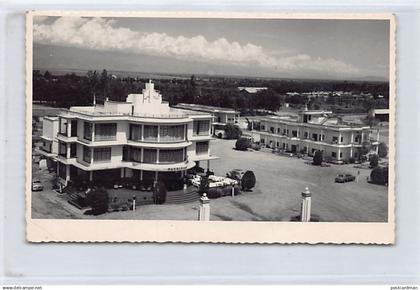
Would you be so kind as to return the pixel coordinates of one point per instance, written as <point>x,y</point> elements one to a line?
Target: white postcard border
<point>66,230</point>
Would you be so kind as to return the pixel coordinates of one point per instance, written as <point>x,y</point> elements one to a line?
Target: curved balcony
<point>146,144</point>
<point>166,166</point>
<point>178,166</point>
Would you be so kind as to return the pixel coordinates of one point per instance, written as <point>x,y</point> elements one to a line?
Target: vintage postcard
<point>210,127</point>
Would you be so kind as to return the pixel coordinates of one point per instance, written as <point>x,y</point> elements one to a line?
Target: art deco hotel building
<point>142,138</point>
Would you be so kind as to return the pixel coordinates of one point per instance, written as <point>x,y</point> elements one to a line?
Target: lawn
<point>276,197</point>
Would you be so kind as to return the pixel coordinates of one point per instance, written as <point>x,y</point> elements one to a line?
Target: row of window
<point>293,148</point>
<point>64,125</point>
<point>166,133</point>
<point>149,155</point>
<point>99,154</point>
<point>62,149</point>
<point>314,136</point>
<point>201,127</point>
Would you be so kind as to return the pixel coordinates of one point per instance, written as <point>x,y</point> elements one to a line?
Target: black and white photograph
<point>279,120</point>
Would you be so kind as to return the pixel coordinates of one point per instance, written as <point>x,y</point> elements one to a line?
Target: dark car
<point>36,185</point>
<point>235,174</point>
<point>341,178</point>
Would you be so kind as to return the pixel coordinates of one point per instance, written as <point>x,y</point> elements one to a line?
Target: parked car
<point>235,174</point>
<point>36,185</point>
<point>341,178</point>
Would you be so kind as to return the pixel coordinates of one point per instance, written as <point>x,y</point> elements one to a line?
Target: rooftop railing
<point>120,114</point>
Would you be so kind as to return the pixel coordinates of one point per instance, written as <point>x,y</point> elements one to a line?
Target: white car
<point>36,185</point>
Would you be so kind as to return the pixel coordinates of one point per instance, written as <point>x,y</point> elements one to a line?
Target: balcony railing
<point>171,139</point>
<point>150,139</point>
<point>201,133</point>
<point>105,138</point>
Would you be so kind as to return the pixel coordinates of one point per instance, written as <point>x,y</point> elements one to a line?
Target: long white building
<point>315,130</point>
<point>142,138</point>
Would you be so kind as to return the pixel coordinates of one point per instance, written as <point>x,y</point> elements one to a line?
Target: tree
<point>248,180</point>
<point>242,144</point>
<point>232,131</point>
<point>382,150</point>
<point>160,192</point>
<point>204,185</point>
<point>374,161</point>
<point>318,158</point>
<point>47,75</point>
<point>365,149</point>
<point>379,175</point>
<point>104,82</point>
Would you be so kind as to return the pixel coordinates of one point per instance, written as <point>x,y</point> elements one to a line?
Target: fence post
<point>204,210</point>
<point>305,213</point>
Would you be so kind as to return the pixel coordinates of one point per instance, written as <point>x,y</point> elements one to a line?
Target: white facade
<point>49,146</point>
<point>221,116</point>
<point>142,137</point>
<point>316,130</point>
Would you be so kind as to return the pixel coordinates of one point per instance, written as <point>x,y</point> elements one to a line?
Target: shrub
<point>352,160</point>
<point>232,131</point>
<point>365,149</point>
<point>374,161</point>
<point>99,201</point>
<point>256,146</point>
<point>382,150</point>
<point>318,158</point>
<point>214,192</point>
<point>248,180</point>
<point>242,144</point>
<point>379,175</point>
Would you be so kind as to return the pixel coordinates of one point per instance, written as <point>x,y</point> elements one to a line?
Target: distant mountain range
<point>62,60</point>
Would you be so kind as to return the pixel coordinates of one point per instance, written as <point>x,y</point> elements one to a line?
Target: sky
<point>278,48</point>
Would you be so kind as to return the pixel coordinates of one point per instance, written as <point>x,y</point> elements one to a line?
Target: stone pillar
<point>305,213</point>
<point>204,210</point>
<point>68,128</point>
<point>67,173</point>
<point>93,132</point>
<point>122,172</point>
<point>68,150</point>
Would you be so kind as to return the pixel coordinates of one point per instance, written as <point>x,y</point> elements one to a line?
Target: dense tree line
<point>71,89</point>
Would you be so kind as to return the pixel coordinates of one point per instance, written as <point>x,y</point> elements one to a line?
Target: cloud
<point>103,34</point>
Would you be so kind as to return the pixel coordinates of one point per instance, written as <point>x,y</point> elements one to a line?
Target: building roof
<point>204,108</point>
<point>326,121</point>
<point>381,111</point>
<point>252,90</point>
<point>51,118</point>
<point>315,112</point>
